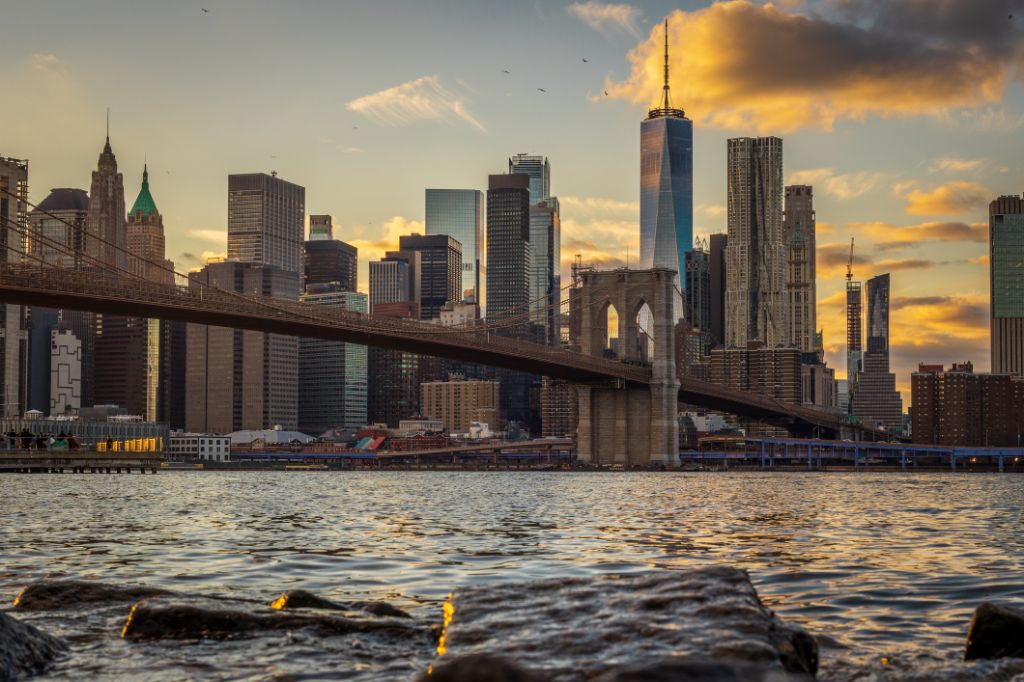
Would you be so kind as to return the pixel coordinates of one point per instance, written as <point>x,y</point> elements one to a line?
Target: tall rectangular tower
<point>440,270</point>
<point>508,247</point>
<point>756,253</point>
<point>265,221</point>
<point>666,187</point>
<point>545,270</point>
<point>1006,284</point>
<point>14,341</point>
<point>873,396</point>
<point>327,260</point>
<point>798,228</point>
<point>459,213</point>
<point>717,283</point>
<point>539,171</point>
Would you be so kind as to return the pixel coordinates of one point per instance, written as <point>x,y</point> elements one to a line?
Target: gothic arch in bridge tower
<point>629,424</point>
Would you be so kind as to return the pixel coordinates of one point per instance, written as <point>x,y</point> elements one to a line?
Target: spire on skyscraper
<point>666,103</point>
<point>144,203</point>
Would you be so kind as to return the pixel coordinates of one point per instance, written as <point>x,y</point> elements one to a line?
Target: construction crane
<point>849,264</point>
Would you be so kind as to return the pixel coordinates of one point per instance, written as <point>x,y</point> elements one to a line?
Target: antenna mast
<point>849,264</point>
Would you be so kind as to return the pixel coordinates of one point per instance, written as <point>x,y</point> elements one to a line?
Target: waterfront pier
<point>79,462</point>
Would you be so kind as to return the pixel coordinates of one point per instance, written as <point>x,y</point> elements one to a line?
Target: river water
<point>885,564</point>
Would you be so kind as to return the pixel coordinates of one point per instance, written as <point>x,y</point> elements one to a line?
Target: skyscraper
<point>459,213</point>
<point>395,278</point>
<point>440,270</point>
<point>13,342</point>
<point>697,290</point>
<point>332,375</point>
<point>717,283</point>
<point>545,268</point>
<point>539,171</point>
<point>327,260</point>
<point>854,325</point>
<point>798,228</point>
<point>508,247</point>
<point>755,306</point>
<point>666,186</point>
<point>873,396</point>
<point>1006,284</point>
<point>106,238</point>
<point>393,391</point>
<point>265,221</point>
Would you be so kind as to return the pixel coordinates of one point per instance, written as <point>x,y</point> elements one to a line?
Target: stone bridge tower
<point>629,424</point>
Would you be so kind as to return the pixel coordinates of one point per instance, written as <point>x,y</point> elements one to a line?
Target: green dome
<point>144,203</point>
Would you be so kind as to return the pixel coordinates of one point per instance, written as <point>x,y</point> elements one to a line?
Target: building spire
<point>666,102</point>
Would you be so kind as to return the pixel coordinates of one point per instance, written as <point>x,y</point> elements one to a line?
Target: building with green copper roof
<point>144,203</point>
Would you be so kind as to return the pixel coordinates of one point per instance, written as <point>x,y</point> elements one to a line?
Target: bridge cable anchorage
<point>546,353</point>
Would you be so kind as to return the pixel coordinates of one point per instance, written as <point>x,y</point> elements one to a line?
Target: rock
<point>674,669</point>
<point>579,628</point>
<point>25,650</point>
<point>66,594</point>
<point>301,599</point>
<point>996,631</point>
<point>477,667</point>
<point>184,621</point>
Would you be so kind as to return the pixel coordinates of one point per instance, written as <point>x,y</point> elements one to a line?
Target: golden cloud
<point>608,18</point>
<point>951,198</point>
<point>422,99</point>
<point>742,65</point>
<point>839,185</point>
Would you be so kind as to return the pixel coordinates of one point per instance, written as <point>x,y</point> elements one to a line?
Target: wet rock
<point>25,650</point>
<point>579,628</point>
<point>301,599</point>
<point>996,631</point>
<point>46,595</point>
<point>477,667</point>
<point>148,621</point>
<point>675,669</point>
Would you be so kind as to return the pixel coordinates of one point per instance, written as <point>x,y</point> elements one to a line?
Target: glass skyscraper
<point>459,213</point>
<point>666,186</point>
<point>539,170</point>
<point>1006,272</point>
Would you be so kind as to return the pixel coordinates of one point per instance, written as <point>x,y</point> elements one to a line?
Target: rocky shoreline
<point>702,624</point>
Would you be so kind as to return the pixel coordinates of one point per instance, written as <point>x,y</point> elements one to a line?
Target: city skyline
<point>919,211</point>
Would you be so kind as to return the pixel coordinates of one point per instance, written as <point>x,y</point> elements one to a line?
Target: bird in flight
<point>605,93</point>
<point>505,71</point>
<point>584,60</point>
<point>205,10</point>
<point>542,89</point>
<point>355,127</point>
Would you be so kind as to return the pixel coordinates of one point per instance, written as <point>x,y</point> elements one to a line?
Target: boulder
<point>301,599</point>
<point>697,670</point>
<point>478,667</point>
<point>151,621</point>
<point>996,631</point>
<point>25,650</point>
<point>579,628</point>
<point>46,595</point>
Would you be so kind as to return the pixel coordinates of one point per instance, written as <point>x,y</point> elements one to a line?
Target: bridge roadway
<point>101,292</point>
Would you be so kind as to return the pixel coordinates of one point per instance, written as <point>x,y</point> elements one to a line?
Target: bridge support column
<point>634,426</point>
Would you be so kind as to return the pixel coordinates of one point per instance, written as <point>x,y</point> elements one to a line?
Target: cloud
<point>742,65</point>
<point>712,210</point>
<point>215,236</point>
<point>194,262</point>
<point>607,18</point>
<point>597,206</point>
<point>423,99</point>
<point>44,61</point>
<point>951,164</point>
<point>832,261</point>
<point>951,198</point>
<point>839,185</point>
<point>888,235</point>
<point>344,149</point>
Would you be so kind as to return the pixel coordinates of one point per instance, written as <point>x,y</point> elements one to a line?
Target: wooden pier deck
<point>78,462</point>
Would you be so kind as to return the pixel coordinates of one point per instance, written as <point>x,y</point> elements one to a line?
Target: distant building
<point>538,169</point>
<point>266,217</point>
<point>756,252</point>
<point>65,360</point>
<point>959,407</point>
<point>458,402</point>
<point>393,376</point>
<point>459,314</point>
<point>198,447</point>
<point>798,227</point>
<point>666,187</point>
<point>1006,284</point>
<point>558,408</point>
<point>772,372</point>
<point>332,375</point>
<point>396,277</point>
<point>697,291</point>
<point>545,268</point>
<point>873,398</point>
<point>106,237</point>
<point>717,283</point>
<point>818,383</point>
<point>459,213</point>
<point>13,335</point>
<point>440,270</point>
<point>854,330</point>
<point>327,260</point>
<point>240,379</point>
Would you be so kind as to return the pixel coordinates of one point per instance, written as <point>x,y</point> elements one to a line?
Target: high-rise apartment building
<point>755,303</point>
<point>539,171</point>
<point>798,227</point>
<point>327,260</point>
<point>14,339</point>
<point>666,186</point>
<point>545,268</point>
<point>459,213</point>
<point>440,270</point>
<point>873,396</point>
<point>959,407</point>
<point>457,402</point>
<point>717,284</point>
<point>1006,284</point>
<point>266,217</point>
<point>332,375</point>
<point>239,379</point>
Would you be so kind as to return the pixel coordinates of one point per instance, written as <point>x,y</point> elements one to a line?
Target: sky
<point>907,117</point>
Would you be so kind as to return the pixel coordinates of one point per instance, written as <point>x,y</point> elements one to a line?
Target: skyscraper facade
<point>756,254</point>
<point>459,213</point>
<point>539,171</point>
<point>873,396</point>
<point>798,227</point>
<point>395,278</point>
<point>106,238</point>
<point>666,186</point>
<point>697,290</point>
<point>14,341</point>
<point>440,270</point>
<point>327,260</point>
<point>717,282</point>
<point>508,247</point>
<point>266,217</point>
<point>1006,284</point>
<point>393,376</point>
<point>545,268</point>
<point>332,375</point>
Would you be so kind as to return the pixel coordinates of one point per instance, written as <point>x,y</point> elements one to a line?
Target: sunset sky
<point>907,116</point>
